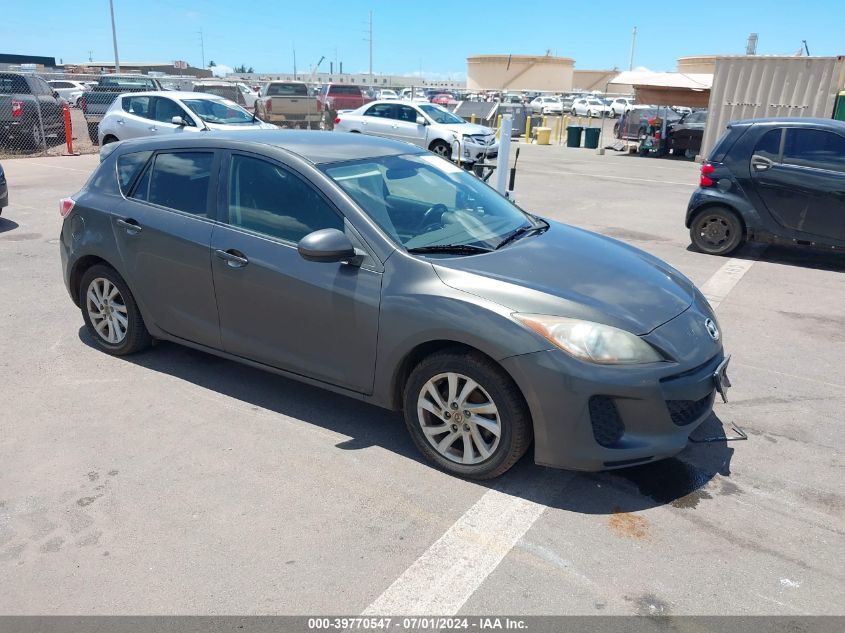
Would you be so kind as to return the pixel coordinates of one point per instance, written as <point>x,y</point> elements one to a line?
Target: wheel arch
<point>423,350</point>
<point>725,205</point>
<point>78,271</point>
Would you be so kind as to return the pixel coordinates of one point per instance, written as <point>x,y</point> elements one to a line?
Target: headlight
<point>590,341</point>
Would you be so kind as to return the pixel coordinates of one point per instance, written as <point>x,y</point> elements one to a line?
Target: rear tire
<point>484,444</point>
<point>716,231</point>
<point>110,312</point>
<point>93,128</point>
<point>110,139</point>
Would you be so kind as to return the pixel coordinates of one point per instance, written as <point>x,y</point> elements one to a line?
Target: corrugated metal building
<point>760,86</point>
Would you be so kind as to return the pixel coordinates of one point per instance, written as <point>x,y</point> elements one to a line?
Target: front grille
<point>607,425</point>
<point>685,412</point>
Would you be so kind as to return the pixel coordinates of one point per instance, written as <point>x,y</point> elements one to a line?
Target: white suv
<point>620,106</point>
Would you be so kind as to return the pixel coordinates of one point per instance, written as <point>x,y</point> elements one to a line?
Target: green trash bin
<point>573,136</point>
<point>591,137</point>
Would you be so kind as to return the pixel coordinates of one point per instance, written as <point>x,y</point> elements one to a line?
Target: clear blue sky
<point>435,37</point>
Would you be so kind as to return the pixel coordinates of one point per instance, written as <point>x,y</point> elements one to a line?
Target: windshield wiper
<point>522,230</point>
<point>460,249</point>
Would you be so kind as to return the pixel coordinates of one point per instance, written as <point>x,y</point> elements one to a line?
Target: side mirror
<point>180,121</point>
<point>328,246</point>
<point>421,121</point>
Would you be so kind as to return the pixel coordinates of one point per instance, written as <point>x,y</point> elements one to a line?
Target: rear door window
<point>139,106</point>
<point>769,145</point>
<point>381,110</point>
<point>814,148</point>
<point>177,180</point>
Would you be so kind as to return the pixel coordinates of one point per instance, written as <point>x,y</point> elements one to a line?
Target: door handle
<point>131,226</point>
<point>120,121</point>
<point>760,163</point>
<point>233,258</point>
<point>153,129</point>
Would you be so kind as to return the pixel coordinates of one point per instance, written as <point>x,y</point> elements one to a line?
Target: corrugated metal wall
<point>758,87</point>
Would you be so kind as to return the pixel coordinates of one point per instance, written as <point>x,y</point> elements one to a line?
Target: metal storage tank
<point>520,72</point>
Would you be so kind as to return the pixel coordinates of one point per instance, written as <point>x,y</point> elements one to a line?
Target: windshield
<point>424,200</point>
<point>440,115</point>
<point>219,111</point>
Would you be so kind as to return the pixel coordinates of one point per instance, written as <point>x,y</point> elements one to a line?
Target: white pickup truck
<point>423,124</point>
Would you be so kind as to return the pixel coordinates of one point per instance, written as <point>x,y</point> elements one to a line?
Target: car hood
<point>465,128</point>
<point>574,273</point>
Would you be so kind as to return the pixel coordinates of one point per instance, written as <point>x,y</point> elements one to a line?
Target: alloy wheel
<point>107,310</point>
<point>459,418</point>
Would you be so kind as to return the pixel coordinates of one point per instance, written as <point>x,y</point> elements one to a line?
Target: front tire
<point>441,148</point>
<point>110,312</point>
<point>466,415</point>
<point>716,231</point>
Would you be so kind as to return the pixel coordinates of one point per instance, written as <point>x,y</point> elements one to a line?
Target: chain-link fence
<point>47,114</point>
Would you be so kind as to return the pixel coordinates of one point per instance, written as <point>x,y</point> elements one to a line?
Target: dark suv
<point>772,180</point>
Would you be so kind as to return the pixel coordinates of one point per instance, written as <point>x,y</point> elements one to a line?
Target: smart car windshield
<point>219,111</point>
<point>427,203</point>
<point>440,115</point>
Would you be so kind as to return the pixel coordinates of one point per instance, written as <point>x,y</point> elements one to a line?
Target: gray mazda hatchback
<point>378,270</point>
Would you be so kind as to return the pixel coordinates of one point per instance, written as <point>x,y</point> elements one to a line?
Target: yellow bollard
<point>528,129</point>
<point>472,119</point>
<point>499,127</point>
<point>545,121</point>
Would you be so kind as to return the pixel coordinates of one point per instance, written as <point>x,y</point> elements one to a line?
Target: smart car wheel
<point>110,312</point>
<point>466,415</point>
<point>717,231</point>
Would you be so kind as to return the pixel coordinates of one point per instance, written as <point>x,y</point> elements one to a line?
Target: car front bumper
<point>593,417</point>
<point>471,152</point>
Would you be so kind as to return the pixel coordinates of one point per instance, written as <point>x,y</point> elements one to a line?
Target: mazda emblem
<point>712,329</point>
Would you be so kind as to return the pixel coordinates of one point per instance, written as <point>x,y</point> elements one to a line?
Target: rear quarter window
<point>128,168</point>
<point>13,84</point>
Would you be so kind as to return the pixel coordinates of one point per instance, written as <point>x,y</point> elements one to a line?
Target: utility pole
<point>202,48</point>
<point>371,48</point>
<point>90,56</point>
<point>114,38</point>
<point>294,64</point>
<point>633,45</point>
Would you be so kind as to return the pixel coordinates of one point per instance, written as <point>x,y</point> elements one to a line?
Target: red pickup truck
<point>335,97</point>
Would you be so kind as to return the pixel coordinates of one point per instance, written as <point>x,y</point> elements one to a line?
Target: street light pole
<point>633,45</point>
<point>114,38</point>
<point>371,48</point>
<point>202,48</point>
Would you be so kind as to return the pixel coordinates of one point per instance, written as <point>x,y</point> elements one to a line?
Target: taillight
<point>17,108</point>
<point>706,169</point>
<point>66,206</point>
<point>337,120</point>
<point>268,105</point>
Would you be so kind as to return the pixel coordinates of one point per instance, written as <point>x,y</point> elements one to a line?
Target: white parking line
<point>441,580</point>
<point>444,577</point>
<point>723,280</point>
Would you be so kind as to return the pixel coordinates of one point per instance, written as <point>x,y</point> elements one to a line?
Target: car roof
<point>316,147</point>
<point>176,94</point>
<point>831,124</point>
